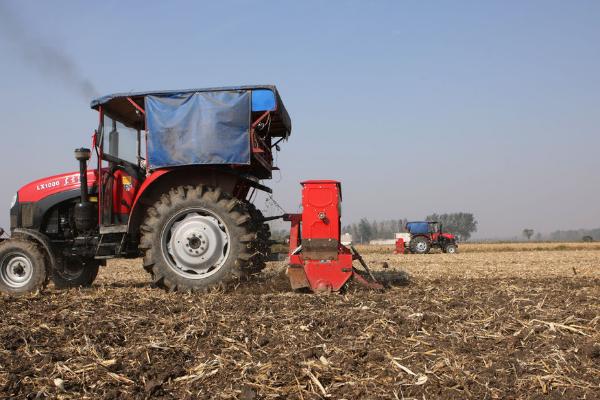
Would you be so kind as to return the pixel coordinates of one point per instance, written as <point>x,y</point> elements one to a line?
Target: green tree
<point>365,231</point>
<point>461,224</point>
<point>528,233</point>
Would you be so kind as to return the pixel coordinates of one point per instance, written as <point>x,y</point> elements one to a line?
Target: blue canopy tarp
<point>263,98</point>
<point>198,128</point>
<point>418,228</point>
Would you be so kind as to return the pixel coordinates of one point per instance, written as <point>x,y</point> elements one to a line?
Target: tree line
<point>572,235</point>
<point>365,230</point>
<point>461,224</point>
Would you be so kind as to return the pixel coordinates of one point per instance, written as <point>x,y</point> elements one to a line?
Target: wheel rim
<point>421,246</point>
<point>451,249</point>
<point>195,243</point>
<point>16,270</point>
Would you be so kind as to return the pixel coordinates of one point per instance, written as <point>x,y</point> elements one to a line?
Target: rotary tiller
<point>317,259</point>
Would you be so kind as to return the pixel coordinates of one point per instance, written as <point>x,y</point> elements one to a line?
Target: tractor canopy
<point>199,126</point>
<point>418,228</point>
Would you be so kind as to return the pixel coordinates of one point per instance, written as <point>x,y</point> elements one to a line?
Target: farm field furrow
<point>484,323</point>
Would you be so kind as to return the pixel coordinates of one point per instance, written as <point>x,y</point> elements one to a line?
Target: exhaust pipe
<point>83,155</point>
<point>85,211</point>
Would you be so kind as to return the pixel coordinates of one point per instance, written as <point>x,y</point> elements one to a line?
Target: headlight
<point>14,201</point>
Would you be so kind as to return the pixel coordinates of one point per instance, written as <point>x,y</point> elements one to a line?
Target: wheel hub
<point>421,246</point>
<point>197,245</point>
<point>16,270</point>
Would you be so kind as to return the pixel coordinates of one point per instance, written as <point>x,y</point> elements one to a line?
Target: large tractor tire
<point>261,247</point>
<point>419,245</point>
<point>73,273</point>
<point>196,238</point>
<point>22,267</point>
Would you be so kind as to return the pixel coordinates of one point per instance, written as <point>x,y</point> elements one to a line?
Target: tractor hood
<point>448,236</point>
<point>42,188</point>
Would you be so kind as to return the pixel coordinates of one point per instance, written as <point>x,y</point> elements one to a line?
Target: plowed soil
<point>483,324</point>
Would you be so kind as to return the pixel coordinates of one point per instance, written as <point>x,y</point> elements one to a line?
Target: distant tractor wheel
<point>195,238</point>
<point>75,273</point>
<point>419,245</point>
<point>450,249</point>
<point>22,267</point>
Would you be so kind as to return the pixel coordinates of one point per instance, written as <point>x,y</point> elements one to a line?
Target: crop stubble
<point>481,324</point>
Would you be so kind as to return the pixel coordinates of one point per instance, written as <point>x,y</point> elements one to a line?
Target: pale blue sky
<point>417,107</point>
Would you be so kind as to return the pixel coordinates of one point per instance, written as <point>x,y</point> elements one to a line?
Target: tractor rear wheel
<point>74,273</point>
<point>261,247</point>
<point>195,238</point>
<point>22,267</point>
<point>419,245</point>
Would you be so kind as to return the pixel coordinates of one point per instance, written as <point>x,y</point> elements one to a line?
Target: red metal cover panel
<point>321,203</point>
<point>332,275</point>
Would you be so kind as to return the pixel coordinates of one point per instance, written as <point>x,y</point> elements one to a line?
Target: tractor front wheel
<point>450,249</point>
<point>74,273</point>
<point>419,245</point>
<point>22,267</point>
<point>195,238</point>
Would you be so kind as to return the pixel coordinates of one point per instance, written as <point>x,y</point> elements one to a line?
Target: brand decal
<point>66,181</point>
<point>72,180</point>
<point>48,185</point>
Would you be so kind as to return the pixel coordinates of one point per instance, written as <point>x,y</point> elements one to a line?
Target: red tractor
<point>173,178</point>
<point>425,235</point>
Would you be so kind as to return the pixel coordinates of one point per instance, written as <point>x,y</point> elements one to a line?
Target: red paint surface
<point>42,188</point>
<point>124,191</point>
<point>329,275</point>
<point>147,182</point>
<point>321,203</point>
<point>435,236</point>
<point>399,246</point>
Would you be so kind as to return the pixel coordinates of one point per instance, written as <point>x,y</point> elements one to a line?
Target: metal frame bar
<point>137,107</point>
<point>261,151</point>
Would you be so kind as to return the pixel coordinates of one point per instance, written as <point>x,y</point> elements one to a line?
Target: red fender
<point>147,182</point>
<point>180,176</point>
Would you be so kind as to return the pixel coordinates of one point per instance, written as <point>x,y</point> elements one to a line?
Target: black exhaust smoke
<point>47,59</point>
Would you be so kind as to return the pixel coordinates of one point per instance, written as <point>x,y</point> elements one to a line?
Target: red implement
<point>400,248</point>
<point>318,260</point>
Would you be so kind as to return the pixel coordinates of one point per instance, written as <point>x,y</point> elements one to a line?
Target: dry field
<point>495,321</point>
<point>498,247</point>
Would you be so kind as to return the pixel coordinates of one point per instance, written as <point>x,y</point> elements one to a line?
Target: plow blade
<point>297,277</point>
